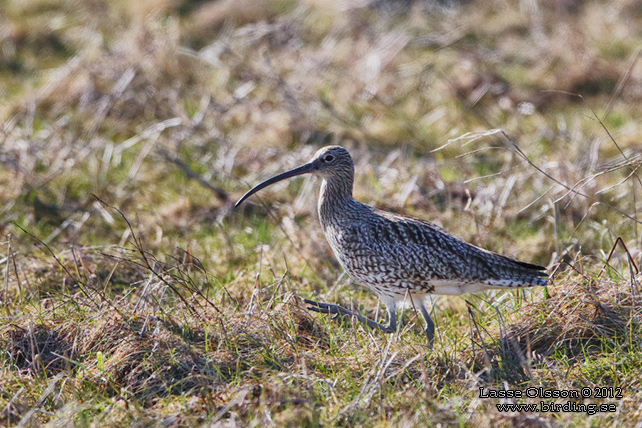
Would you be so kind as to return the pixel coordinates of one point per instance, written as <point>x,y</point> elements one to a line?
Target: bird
<point>403,259</point>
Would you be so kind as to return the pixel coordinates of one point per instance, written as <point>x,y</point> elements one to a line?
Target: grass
<point>132,293</point>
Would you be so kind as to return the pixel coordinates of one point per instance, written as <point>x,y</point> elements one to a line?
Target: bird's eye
<point>328,158</point>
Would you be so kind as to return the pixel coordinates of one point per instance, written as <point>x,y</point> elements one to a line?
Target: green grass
<point>185,312</point>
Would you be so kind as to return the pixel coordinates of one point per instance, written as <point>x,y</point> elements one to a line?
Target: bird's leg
<point>331,308</point>
<point>430,325</point>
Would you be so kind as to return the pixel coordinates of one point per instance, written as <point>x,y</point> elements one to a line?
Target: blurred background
<point>171,109</point>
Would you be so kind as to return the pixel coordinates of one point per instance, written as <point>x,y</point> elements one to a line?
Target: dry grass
<point>132,294</point>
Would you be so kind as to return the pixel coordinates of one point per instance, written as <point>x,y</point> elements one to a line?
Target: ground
<point>134,294</point>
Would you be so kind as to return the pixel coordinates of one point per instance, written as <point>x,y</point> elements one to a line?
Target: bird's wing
<point>419,249</point>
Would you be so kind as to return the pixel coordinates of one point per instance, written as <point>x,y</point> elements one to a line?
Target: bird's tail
<point>513,273</point>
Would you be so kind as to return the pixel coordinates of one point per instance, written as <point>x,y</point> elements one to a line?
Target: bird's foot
<point>430,333</point>
<point>331,308</point>
<point>327,308</point>
<point>430,326</point>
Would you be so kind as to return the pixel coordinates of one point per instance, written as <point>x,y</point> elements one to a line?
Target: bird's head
<point>331,162</point>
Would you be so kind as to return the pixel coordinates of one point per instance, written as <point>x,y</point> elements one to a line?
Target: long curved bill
<point>303,169</point>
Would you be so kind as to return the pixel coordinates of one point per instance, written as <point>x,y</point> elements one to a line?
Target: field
<point>133,294</point>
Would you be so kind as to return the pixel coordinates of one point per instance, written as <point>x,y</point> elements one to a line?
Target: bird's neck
<point>335,200</point>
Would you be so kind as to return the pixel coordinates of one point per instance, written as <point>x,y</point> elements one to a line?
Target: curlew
<point>402,259</point>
